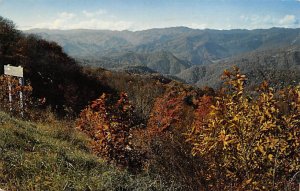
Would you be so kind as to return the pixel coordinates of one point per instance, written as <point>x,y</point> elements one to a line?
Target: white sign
<point>13,71</point>
<point>17,72</point>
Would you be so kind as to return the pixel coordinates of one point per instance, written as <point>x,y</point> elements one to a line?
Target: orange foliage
<point>248,143</point>
<point>203,108</point>
<point>107,121</point>
<point>167,111</point>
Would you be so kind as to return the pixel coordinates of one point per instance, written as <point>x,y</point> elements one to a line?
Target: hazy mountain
<point>195,46</point>
<point>280,67</point>
<point>196,56</point>
<point>162,62</point>
<point>138,70</point>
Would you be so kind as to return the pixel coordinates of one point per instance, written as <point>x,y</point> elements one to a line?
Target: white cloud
<point>288,20</point>
<point>101,19</point>
<point>62,20</point>
<point>87,20</point>
<point>101,24</point>
<point>256,21</point>
<point>267,21</point>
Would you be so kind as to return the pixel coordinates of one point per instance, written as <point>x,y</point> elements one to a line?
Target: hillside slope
<point>38,156</point>
<point>52,73</point>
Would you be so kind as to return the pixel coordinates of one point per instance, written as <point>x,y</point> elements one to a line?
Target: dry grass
<point>53,156</point>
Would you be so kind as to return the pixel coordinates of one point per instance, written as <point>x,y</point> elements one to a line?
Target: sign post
<point>9,95</point>
<point>17,72</point>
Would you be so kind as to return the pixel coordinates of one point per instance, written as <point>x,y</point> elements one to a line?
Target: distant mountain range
<point>279,66</point>
<point>162,62</point>
<point>196,56</point>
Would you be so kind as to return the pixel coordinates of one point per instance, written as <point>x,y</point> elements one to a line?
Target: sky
<point>137,15</point>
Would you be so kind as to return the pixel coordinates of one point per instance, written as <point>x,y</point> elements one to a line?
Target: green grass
<point>37,156</point>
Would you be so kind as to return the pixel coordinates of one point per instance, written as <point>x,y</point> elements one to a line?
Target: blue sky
<point>144,14</point>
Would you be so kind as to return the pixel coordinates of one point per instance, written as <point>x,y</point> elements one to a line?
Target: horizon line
<point>155,28</point>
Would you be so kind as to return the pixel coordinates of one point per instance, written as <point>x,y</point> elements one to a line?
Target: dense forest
<point>98,129</point>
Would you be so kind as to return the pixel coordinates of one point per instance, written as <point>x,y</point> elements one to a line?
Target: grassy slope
<point>54,157</point>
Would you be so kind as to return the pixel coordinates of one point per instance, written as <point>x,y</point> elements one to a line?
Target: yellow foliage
<point>249,142</point>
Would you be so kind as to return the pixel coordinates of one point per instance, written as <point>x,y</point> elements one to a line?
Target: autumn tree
<point>167,111</point>
<point>108,121</point>
<point>249,142</point>
<point>163,138</point>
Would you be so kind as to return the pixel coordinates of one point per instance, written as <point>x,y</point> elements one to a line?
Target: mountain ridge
<point>280,67</point>
<point>185,53</point>
<point>194,45</point>
<point>155,28</point>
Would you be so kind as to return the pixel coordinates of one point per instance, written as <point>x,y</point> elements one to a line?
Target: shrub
<point>108,121</point>
<point>249,143</point>
<point>164,142</point>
